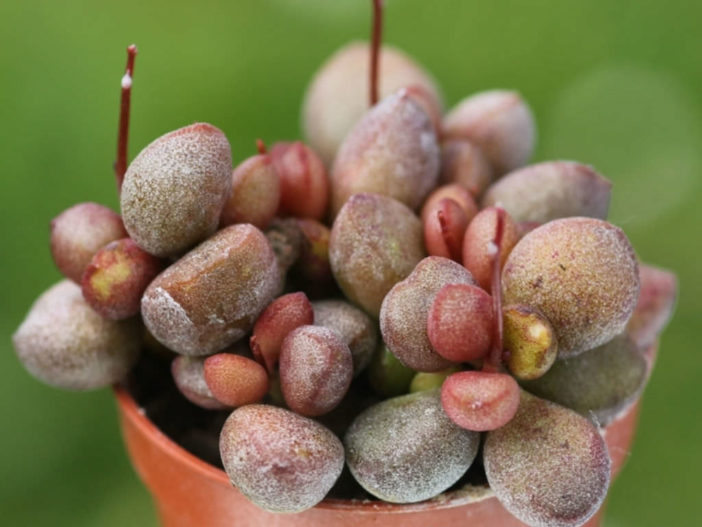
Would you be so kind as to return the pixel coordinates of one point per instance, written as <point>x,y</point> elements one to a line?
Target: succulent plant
<point>511,309</point>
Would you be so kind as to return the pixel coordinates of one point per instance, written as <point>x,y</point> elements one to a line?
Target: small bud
<point>460,322</point>
<point>444,227</point>
<point>480,401</point>
<point>453,191</point>
<point>529,341</point>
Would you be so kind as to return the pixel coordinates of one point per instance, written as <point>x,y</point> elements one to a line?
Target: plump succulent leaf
<point>406,449</point>
<point>375,242</point>
<point>548,466</point>
<point>581,273</point>
<point>598,384</point>
<point>551,190</point>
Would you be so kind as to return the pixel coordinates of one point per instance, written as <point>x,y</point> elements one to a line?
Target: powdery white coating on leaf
<point>79,232</point>
<point>497,121</point>
<point>66,344</point>
<point>375,242</point>
<point>598,384</point>
<point>189,376</point>
<point>174,190</point>
<point>403,315</point>
<point>337,96</point>
<point>548,466</point>
<point>163,314</point>
<point>406,449</point>
<point>582,274</point>
<point>356,329</point>
<point>391,151</point>
<point>210,298</point>
<point>281,461</point>
<point>551,190</point>
<point>316,369</point>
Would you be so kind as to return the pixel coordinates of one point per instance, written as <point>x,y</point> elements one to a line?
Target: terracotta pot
<point>189,492</point>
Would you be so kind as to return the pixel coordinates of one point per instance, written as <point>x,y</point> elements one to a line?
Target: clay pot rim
<point>137,416</point>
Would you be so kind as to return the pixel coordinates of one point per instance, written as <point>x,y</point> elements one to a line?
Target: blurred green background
<point>615,84</point>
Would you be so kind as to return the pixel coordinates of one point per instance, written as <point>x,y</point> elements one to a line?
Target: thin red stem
<point>123,131</point>
<point>261,146</point>
<point>495,358</point>
<point>376,38</point>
